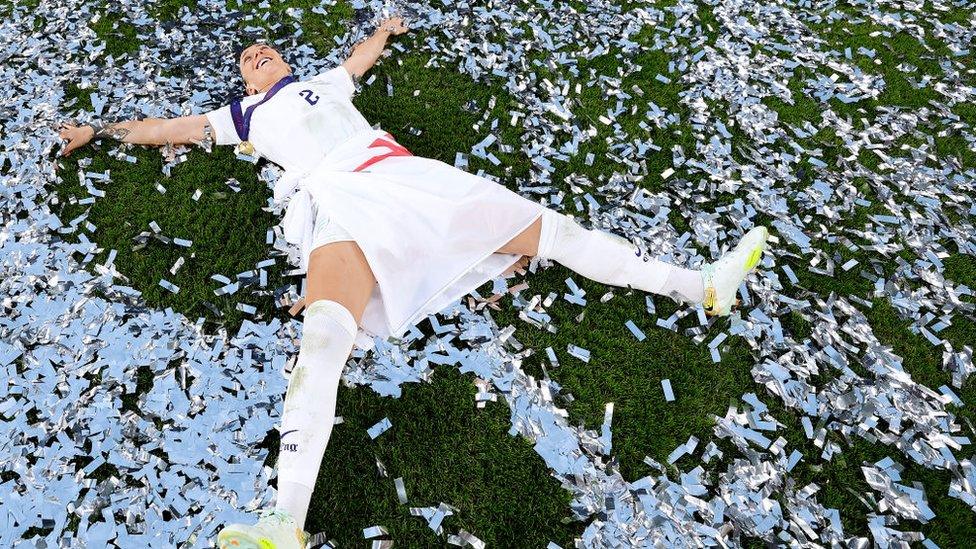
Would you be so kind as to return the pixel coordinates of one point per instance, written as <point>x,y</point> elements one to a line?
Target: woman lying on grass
<point>387,238</point>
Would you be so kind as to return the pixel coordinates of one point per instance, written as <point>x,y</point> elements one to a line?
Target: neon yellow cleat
<point>276,529</point>
<point>722,278</point>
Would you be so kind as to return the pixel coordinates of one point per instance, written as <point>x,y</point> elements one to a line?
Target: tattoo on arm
<point>114,131</point>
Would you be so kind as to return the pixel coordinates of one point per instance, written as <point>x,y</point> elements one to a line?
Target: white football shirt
<point>428,230</point>
<point>300,124</point>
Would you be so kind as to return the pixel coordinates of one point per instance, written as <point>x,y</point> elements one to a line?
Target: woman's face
<point>261,66</point>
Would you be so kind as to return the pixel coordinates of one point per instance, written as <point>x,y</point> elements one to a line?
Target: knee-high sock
<point>306,423</point>
<point>610,259</point>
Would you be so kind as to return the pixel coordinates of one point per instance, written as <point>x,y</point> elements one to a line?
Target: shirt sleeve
<point>339,78</point>
<point>222,124</point>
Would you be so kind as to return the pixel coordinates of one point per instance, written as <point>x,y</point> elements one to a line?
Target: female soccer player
<point>387,238</point>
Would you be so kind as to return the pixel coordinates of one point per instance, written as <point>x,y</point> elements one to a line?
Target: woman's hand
<point>76,136</point>
<point>393,25</point>
<point>365,53</point>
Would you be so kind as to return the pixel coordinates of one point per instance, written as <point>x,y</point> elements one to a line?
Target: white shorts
<point>327,231</point>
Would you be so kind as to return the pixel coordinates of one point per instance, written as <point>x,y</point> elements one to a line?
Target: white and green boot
<point>276,529</point>
<point>723,277</point>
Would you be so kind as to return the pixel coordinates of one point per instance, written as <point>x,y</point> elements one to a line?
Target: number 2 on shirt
<point>309,96</point>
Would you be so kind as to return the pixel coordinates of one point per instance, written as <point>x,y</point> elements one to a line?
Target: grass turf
<point>444,448</point>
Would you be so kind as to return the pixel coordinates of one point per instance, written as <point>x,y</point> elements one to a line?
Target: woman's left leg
<point>526,243</point>
<point>613,260</point>
<point>604,257</point>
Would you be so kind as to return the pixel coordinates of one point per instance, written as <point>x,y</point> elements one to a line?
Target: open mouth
<point>262,62</point>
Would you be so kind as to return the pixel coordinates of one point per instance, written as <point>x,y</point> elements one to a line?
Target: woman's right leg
<point>338,287</point>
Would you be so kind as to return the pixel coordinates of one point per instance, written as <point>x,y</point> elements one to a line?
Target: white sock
<point>306,423</point>
<point>294,498</point>
<point>684,285</point>
<point>610,259</point>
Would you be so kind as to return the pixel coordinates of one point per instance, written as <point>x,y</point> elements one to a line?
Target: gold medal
<point>245,148</point>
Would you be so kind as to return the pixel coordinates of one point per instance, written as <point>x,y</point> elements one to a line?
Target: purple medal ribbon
<point>242,121</point>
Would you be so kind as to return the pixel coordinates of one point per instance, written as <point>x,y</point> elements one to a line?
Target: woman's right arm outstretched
<point>151,131</point>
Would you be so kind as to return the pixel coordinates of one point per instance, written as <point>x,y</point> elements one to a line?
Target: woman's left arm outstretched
<point>365,54</point>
